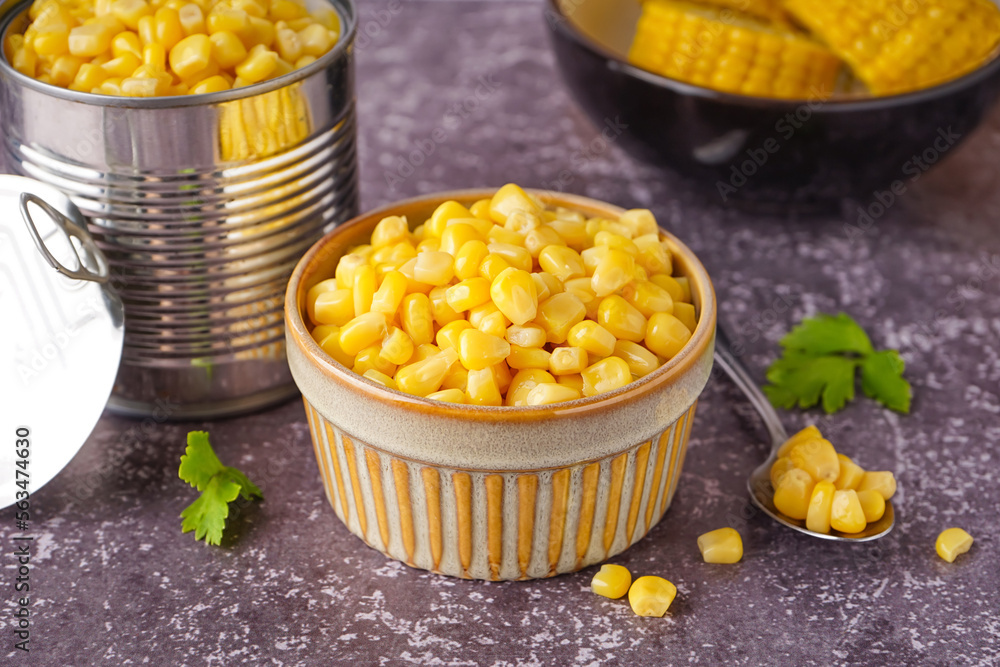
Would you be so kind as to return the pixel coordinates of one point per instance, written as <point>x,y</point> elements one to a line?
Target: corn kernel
<point>568,360</point>
<point>190,55</point>
<point>723,545</point>
<point>89,40</point>
<point>872,504</point>
<point>614,271</point>
<point>397,348</point>
<point>450,334</point>
<point>820,504</point>
<point>883,482</point>
<point>469,258</point>
<point>522,384</point>
<point>513,292</point>
<point>260,63</point>
<point>440,310</point>
<point>227,49</point>
<point>122,66</point>
<point>482,388</point>
<point>575,381</point>
<point>639,221</point>
<point>549,392</point>
<point>540,238</point>
<point>167,28</point>
<point>508,199</point>
<point>478,350</point>
<point>805,435</point>
<point>605,375</point>
<point>494,324</point>
<point>651,596</point>
<point>622,319</point>
<point>846,514</point>
<point>316,40</point>
<point>362,331</point>
<point>666,335</point>
<point>780,467</point>
<point>331,345</point>
<point>127,42</point>
<point>468,294</point>
<point>652,256</point>
<point>417,318</point>
<point>793,493</point>
<point>649,298</point>
<point>686,314</point>
<point>515,255</point>
<point>850,473</point>
<point>952,543</point>
<point>89,76</point>
<point>503,376</point>
<point>448,395</point>
<point>528,357</point>
<point>611,581</point>
<point>371,358</point>
<point>446,211</point>
<point>818,458</point>
<point>559,314</point>
<point>377,376</point>
<point>155,57</point>
<point>528,335</point>
<point>130,11</point>
<point>64,70</point>
<point>592,337</point>
<point>333,307</point>
<point>425,376</point>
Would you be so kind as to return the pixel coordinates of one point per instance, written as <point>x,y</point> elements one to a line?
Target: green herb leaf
<point>882,380</point>
<point>819,361</point>
<point>219,486</point>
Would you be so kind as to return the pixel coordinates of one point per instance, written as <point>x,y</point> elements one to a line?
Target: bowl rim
<point>346,9</point>
<point>559,22</point>
<point>670,372</point>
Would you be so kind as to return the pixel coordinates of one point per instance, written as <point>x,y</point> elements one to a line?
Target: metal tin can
<point>202,204</point>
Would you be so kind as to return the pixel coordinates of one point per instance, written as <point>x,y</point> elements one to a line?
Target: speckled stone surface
<point>116,583</point>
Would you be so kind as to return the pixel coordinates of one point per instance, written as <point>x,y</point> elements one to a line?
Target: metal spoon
<point>759,482</point>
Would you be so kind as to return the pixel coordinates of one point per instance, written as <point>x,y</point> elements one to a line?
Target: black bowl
<point>751,150</point>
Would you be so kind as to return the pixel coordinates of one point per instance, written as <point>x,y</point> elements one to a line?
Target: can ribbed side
<point>500,526</point>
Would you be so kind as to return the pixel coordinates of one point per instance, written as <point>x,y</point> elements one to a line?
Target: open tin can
<point>202,205</point>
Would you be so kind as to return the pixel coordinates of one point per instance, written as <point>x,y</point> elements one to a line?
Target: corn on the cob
<point>731,53</point>
<point>896,47</point>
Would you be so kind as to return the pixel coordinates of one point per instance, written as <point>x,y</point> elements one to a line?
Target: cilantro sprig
<point>820,361</point>
<point>219,486</point>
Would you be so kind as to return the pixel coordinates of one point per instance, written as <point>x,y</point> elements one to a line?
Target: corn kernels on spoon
<point>759,482</point>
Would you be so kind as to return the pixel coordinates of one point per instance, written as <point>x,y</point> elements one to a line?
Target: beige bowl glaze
<point>496,492</point>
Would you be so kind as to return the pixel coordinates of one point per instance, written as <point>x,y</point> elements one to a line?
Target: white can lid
<point>61,333</point>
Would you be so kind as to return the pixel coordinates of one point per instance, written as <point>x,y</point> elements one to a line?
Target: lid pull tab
<point>72,230</point>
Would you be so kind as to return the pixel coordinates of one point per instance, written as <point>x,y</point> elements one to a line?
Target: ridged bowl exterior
<point>203,205</point>
<point>496,493</point>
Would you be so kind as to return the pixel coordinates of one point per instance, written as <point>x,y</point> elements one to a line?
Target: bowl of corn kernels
<point>500,384</point>
<point>771,102</point>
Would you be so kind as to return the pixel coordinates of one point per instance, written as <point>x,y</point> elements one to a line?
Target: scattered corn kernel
<point>721,546</point>
<point>611,581</point>
<point>651,596</point>
<point>952,543</point>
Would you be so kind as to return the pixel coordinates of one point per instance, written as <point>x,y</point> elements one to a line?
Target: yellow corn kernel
<point>167,28</point>
<point>651,596</point>
<point>528,335</point>
<point>515,255</point>
<point>503,376</point>
<point>850,473</point>
<point>365,283</point>
<point>397,348</point>
<point>478,350</point>
<point>884,482</point>
<point>52,40</point>
<point>615,270</point>
<point>621,318</point>
<point>155,56</point>
<point>446,211</point>
<point>468,294</point>
<point>469,258</point>
<point>450,334</point>
<point>605,375</point>
<point>222,18</point>
<point>448,395</point>
<point>612,581</point>
<point>323,330</point>
<point>649,298</point>
<point>492,266</point>
<point>425,351</point>
<point>583,291</point>
<point>808,433</point>
<point>111,86</point>
<point>331,345</point>
<point>434,268</point>
<point>316,40</point>
<point>212,84</point>
<point>685,286</point>
<point>482,388</point>
<point>481,209</point>
<point>612,240</point>
<point>362,331</point>
<point>510,198</point>
<point>259,64</point>
<point>575,381</point>
<point>417,318</point>
<point>592,337</point>
<point>653,256</point>
<point>494,324</point>
<point>227,49</point>
<point>498,234</point>
<point>333,307</point>
<point>127,42</point>
<point>289,46</point>
<point>89,76</point>
<point>872,504</point>
<point>685,313</point>
<point>818,458</point>
<point>522,222</point>
<point>456,234</point>
<point>666,335</point>
<point>90,40</point>
<point>130,11</point>
<point>528,357</point>
<point>425,376</point>
<point>192,19</point>
<point>540,238</point>
<point>779,468</point>
<point>64,70</point>
<point>568,360</point>
<point>793,493</point>
<point>389,231</point>
<point>190,55</point>
<point>522,384</point>
<point>122,66</point>
<point>723,545</point>
<point>641,362</point>
<point>259,32</point>
<point>389,294</point>
<point>820,504</point>
<point>146,27</point>
<point>513,293</point>
<point>286,10</point>
<point>558,314</point>
<point>952,543</point>
<point>548,284</point>
<point>639,221</point>
<point>377,376</point>
<point>370,358</point>
<point>440,310</point>
<point>549,392</point>
<point>846,514</point>
<point>572,231</point>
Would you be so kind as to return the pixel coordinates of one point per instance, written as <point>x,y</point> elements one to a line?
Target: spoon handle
<point>739,374</point>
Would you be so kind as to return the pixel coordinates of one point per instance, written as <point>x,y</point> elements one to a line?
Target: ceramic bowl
<point>752,151</point>
<point>496,492</point>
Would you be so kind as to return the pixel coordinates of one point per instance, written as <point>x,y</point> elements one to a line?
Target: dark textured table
<point>115,582</point>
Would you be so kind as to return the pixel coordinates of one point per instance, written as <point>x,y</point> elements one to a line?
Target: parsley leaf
<point>819,362</point>
<point>219,486</point>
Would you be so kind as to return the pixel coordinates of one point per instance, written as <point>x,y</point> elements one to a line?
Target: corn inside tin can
<point>202,205</point>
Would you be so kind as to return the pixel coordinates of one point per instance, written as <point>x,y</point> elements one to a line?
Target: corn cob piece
<point>730,52</point>
<point>897,47</point>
